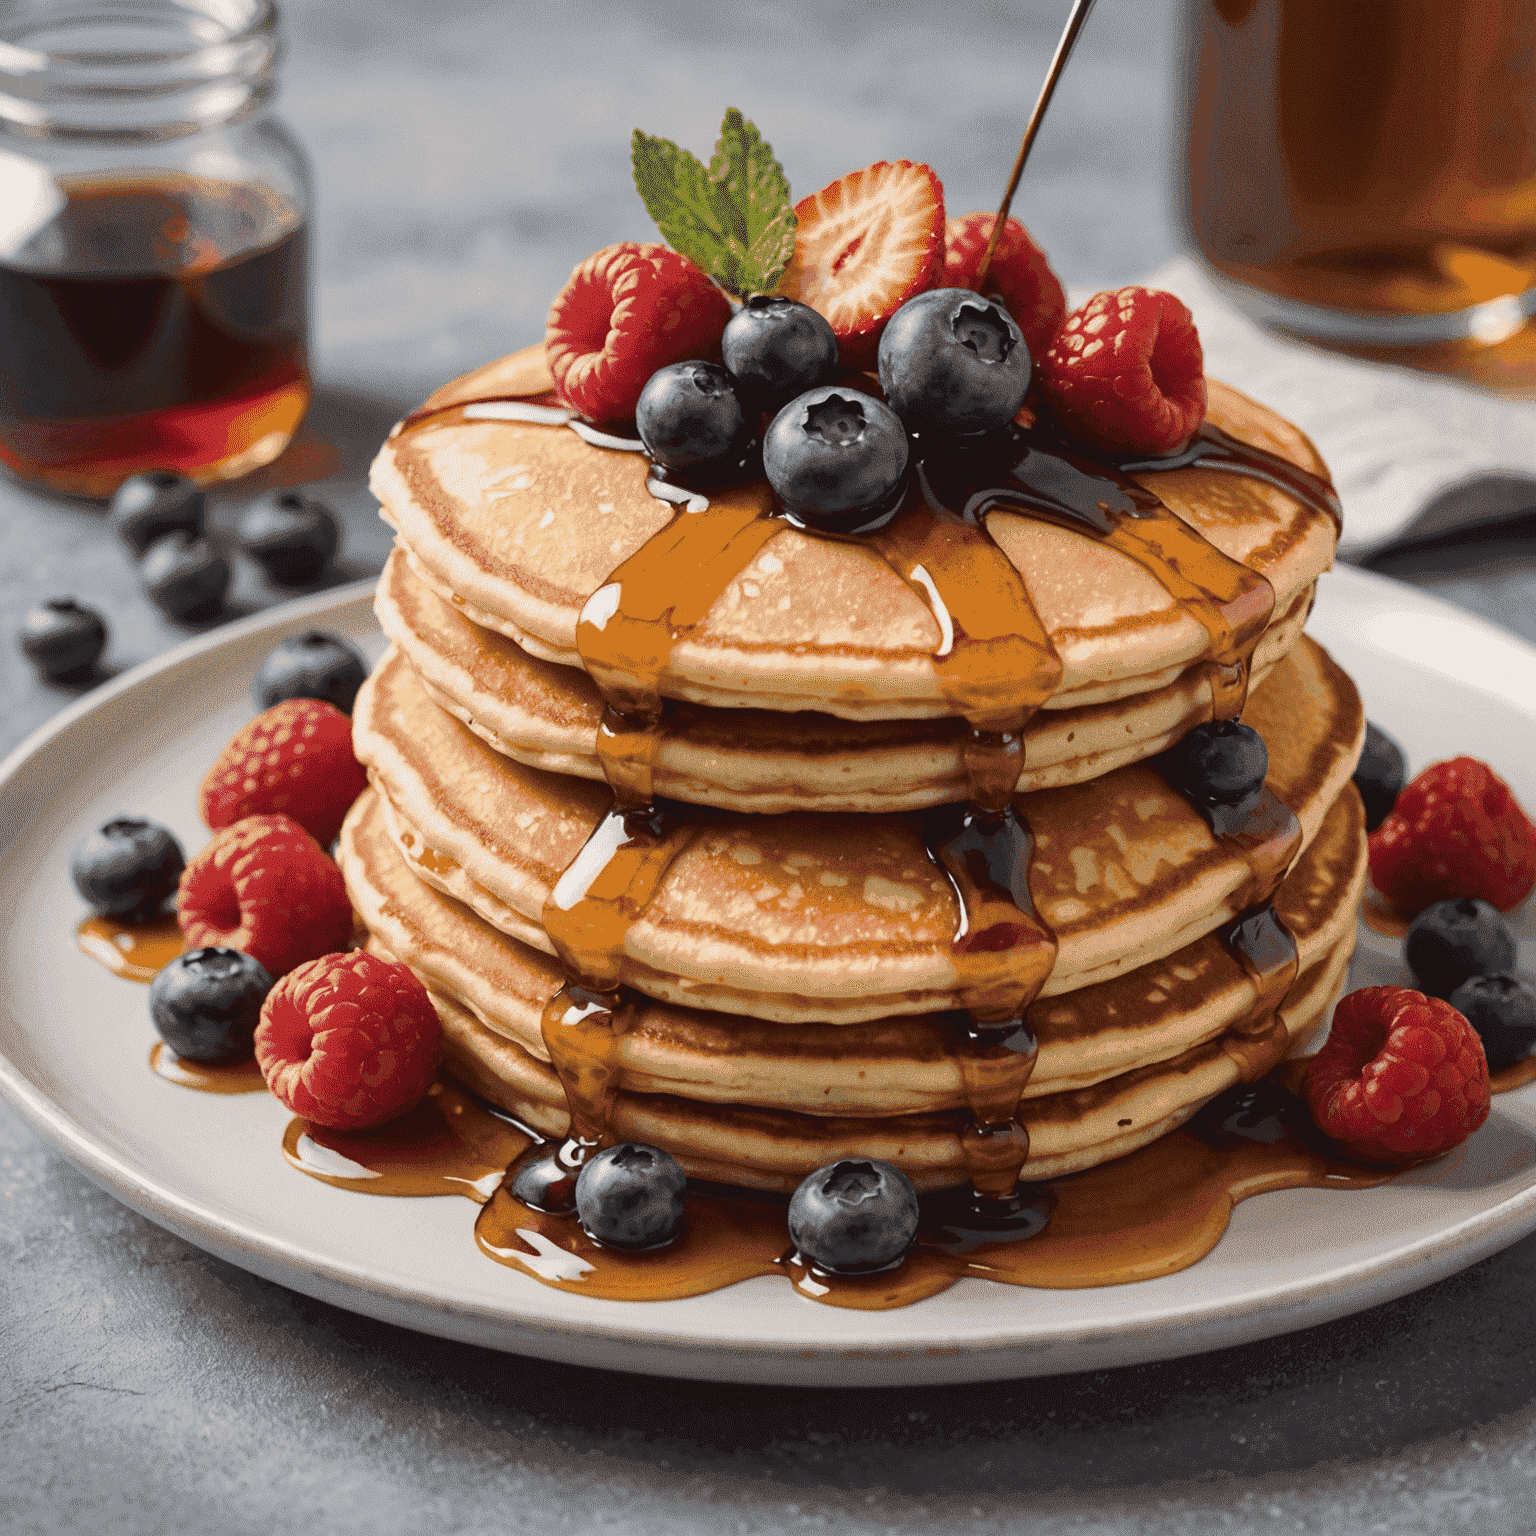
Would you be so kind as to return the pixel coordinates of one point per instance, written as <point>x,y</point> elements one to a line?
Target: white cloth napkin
<point>1403,447</point>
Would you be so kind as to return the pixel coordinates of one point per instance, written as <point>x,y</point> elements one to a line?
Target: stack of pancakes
<point>793,976</point>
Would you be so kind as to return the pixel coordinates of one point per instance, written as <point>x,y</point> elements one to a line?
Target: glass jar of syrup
<point>153,266</point>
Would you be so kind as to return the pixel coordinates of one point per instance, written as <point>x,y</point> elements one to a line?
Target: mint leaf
<point>678,193</point>
<point>762,227</point>
<point>734,220</point>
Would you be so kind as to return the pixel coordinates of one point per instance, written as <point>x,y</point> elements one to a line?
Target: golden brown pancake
<point>885,1067</point>
<point>767,761</point>
<point>804,917</point>
<point>893,1089</point>
<point>519,525</point>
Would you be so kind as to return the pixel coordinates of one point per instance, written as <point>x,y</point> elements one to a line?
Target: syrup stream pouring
<point>1058,63</point>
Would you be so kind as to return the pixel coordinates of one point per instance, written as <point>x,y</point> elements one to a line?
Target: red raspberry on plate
<point>1126,373</point>
<point>1019,275</point>
<point>349,1040</point>
<point>1456,830</point>
<point>1400,1077</point>
<point>266,887</point>
<point>295,760</point>
<point>865,245</point>
<point>625,312</point>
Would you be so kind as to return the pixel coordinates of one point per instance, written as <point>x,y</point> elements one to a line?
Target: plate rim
<point>1139,1335</point>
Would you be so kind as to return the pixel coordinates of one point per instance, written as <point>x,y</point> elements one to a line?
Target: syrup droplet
<point>242,1076</point>
<point>134,951</point>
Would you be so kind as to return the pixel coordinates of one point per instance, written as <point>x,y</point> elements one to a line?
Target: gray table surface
<point>468,154</point>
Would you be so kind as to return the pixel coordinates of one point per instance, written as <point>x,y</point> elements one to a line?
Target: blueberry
<point>689,413</point>
<point>777,349</point>
<point>854,1216</point>
<point>1380,776</point>
<point>1455,939</point>
<point>207,1002</point>
<point>62,639</point>
<point>127,867</point>
<point>185,578</point>
<point>313,665</point>
<point>1502,1009</point>
<point>631,1196</point>
<point>833,455</point>
<point>1220,763</point>
<point>951,362</point>
<point>146,507</point>
<point>291,536</point>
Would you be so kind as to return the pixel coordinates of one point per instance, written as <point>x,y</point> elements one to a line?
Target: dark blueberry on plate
<point>1455,939</point>
<point>1380,775</point>
<point>127,867</point>
<point>148,506</point>
<point>953,362</point>
<point>291,536</point>
<point>1220,763</point>
<point>631,1196</point>
<point>1502,1009</point>
<point>207,1002</point>
<point>185,578</point>
<point>834,455</point>
<point>689,413</point>
<point>776,349</point>
<point>854,1216</point>
<point>62,639</point>
<point>313,665</point>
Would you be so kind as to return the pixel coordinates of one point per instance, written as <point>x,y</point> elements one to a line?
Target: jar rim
<point>134,68</point>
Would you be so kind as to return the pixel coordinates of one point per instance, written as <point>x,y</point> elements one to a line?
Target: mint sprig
<point>733,218</point>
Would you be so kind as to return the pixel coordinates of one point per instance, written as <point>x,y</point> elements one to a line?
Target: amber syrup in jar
<point>142,342</point>
<point>153,244</point>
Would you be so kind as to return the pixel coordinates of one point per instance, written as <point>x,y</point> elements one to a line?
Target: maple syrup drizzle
<point>996,666</point>
<point>1213,448</point>
<point>242,1076</point>
<point>1267,833</point>
<point>134,951</point>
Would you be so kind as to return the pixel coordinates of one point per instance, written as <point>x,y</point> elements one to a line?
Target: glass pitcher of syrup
<point>1362,173</point>
<point>153,267</point>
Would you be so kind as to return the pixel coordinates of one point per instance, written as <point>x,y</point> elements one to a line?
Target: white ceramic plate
<point>74,1042</point>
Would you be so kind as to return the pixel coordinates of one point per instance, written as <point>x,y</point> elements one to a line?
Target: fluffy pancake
<point>770,1147</point>
<point>803,917</point>
<point>520,524</point>
<point>547,716</point>
<point>893,1066</point>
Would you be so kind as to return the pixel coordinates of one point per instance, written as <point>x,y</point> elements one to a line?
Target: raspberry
<point>1400,1077</point>
<point>265,886</point>
<point>1456,830</point>
<point>1019,275</point>
<point>294,759</point>
<point>625,312</point>
<point>349,1040</point>
<point>1126,373</point>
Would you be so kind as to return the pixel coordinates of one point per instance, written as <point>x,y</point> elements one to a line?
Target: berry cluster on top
<point>867,274</point>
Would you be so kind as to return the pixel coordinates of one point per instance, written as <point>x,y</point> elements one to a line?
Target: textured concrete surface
<point>468,154</point>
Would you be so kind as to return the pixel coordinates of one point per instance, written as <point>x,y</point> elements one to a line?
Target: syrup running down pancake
<point>520,524</point>
<point>762,1104</point>
<point>766,761</point>
<point>806,917</point>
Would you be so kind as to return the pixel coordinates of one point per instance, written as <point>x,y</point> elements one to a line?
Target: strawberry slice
<point>865,245</point>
